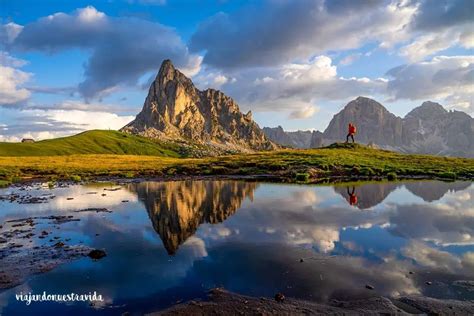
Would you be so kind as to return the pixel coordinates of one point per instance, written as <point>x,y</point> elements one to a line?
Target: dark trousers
<point>347,137</point>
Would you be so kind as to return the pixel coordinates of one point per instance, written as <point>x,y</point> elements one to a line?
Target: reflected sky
<point>171,241</point>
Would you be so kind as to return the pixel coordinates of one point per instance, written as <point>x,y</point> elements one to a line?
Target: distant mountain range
<point>427,129</point>
<point>176,110</point>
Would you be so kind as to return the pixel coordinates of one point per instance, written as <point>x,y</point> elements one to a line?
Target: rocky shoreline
<point>222,302</point>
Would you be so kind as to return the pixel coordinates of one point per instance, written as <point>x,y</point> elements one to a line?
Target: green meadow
<point>93,154</point>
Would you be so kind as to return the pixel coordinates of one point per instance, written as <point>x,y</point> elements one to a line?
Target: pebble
<point>279,297</point>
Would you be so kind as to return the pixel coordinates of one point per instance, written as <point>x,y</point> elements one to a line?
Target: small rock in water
<point>428,282</point>
<point>125,201</point>
<point>58,244</point>
<point>97,254</point>
<point>369,287</point>
<point>279,297</point>
<point>411,272</point>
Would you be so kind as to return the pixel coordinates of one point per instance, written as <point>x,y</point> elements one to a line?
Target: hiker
<point>352,131</point>
<point>352,197</point>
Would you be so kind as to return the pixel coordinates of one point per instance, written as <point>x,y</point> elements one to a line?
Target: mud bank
<point>222,302</point>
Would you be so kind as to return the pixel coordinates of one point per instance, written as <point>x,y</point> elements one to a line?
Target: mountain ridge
<point>427,129</point>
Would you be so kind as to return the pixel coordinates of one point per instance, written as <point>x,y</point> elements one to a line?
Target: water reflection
<point>368,195</point>
<point>176,209</point>
<point>249,237</point>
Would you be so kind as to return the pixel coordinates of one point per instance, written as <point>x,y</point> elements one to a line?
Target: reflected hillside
<point>366,195</point>
<point>177,208</point>
<point>371,194</point>
<point>431,191</point>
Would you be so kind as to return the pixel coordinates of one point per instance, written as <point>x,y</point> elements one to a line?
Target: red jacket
<point>352,129</point>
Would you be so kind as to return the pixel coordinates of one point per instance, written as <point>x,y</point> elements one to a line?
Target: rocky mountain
<point>177,208</point>
<point>298,139</point>
<point>374,123</point>
<point>176,110</point>
<point>431,129</point>
<point>427,129</point>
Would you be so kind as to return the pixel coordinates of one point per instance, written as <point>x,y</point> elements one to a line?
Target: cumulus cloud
<point>122,49</point>
<point>12,80</point>
<point>278,32</point>
<point>303,113</point>
<point>50,123</point>
<point>294,87</point>
<point>434,258</point>
<point>8,32</point>
<point>438,25</point>
<point>443,77</point>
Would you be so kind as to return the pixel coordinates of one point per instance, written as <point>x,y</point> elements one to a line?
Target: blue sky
<point>69,66</point>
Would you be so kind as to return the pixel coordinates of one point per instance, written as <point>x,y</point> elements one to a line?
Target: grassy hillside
<point>91,142</point>
<point>341,161</point>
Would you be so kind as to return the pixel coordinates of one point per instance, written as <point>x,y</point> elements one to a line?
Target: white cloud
<point>303,113</point>
<point>45,124</point>
<point>294,87</point>
<point>8,32</point>
<point>90,120</point>
<point>430,44</point>
<point>273,33</point>
<point>11,80</point>
<point>444,78</point>
<point>9,61</point>
<point>122,49</point>
<point>89,14</point>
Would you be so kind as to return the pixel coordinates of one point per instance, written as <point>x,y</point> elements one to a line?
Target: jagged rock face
<point>427,129</point>
<point>317,139</point>
<point>374,123</point>
<point>174,109</point>
<point>177,208</point>
<point>297,139</point>
<point>431,129</point>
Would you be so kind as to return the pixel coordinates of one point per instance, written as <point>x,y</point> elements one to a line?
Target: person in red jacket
<point>352,196</point>
<point>351,133</point>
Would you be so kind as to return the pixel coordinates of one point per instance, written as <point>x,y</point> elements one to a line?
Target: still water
<point>168,242</point>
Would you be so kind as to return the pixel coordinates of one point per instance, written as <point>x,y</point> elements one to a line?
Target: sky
<point>70,66</point>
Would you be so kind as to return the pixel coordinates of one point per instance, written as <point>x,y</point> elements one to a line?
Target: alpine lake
<point>170,242</point>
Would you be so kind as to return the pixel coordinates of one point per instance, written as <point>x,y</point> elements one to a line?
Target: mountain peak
<point>176,110</point>
<point>427,109</point>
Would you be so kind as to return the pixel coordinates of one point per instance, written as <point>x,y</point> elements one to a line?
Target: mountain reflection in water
<point>178,208</point>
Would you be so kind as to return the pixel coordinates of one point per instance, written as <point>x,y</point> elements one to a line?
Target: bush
<point>4,183</point>
<point>129,175</point>
<point>448,175</point>
<point>75,178</point>
<point>302,177</point>
<point>367,172</point>
<point>391,176</point>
